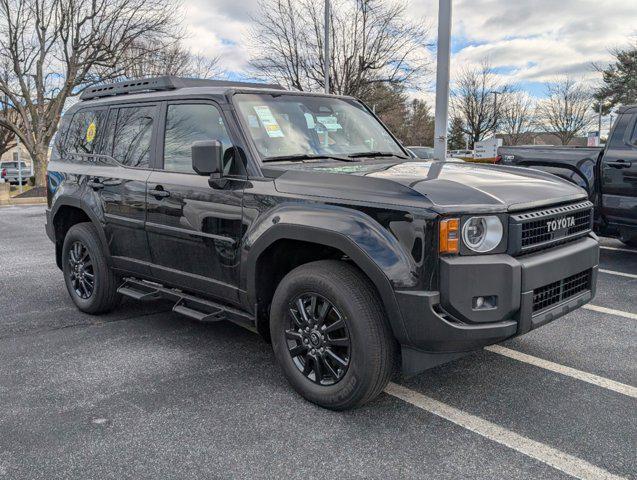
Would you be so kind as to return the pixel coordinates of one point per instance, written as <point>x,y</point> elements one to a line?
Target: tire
<point>82,244</point>
<point>370,350</point>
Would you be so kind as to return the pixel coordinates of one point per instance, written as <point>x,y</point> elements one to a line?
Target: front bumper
<point>531,291</point>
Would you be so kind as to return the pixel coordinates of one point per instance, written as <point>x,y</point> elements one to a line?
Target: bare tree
<point>372,42</point>
<point>566,110</point>
<point>56,48</point>
<point>144,60</point>
<point>516,120</point>
<point>7,137</point>
<point>474,100</point>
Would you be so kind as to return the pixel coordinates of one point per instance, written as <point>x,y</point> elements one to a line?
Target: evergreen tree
<point>456,137</point>
<point>620,80</point>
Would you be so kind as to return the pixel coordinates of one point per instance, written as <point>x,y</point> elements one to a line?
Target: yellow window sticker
<point>268,121</point>
<point>90,132</point>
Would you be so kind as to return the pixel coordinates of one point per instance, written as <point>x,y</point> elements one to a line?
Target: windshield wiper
<point>375,154</point>
<point>303,156</point>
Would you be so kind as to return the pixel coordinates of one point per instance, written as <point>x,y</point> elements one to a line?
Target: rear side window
<point>132,135</point>
<point>84,133</point>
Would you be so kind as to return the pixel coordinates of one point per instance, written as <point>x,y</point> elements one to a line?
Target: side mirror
<point>207,158</point>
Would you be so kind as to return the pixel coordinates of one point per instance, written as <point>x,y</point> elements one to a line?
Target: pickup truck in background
<point>609,174</point>
<point>10,173</point>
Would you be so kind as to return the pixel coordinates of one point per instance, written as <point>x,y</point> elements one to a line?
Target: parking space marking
<point>610,311</point>
<point>621,274</point>
<point>564,370</point>
<point>569,464</point>
<point>617,249</point>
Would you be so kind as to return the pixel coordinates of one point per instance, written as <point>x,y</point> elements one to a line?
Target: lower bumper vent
<point>556,292</point>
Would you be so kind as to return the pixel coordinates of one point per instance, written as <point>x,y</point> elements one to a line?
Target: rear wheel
<point>330,335</point>
<point>90,283</point>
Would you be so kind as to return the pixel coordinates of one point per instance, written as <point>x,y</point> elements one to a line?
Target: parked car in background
<point>10,173</point>
<point>609,174</point>
<point>427,153</point>
<point>460,153</point>
<point>424,153</point>
<point>301,216</point>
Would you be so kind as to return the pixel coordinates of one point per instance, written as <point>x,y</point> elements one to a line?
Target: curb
<point>24,201</point>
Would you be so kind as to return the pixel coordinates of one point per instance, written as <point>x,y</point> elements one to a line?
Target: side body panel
<point>379,239</point>
<point>619,174</point>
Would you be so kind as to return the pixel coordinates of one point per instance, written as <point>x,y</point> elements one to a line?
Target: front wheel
<point>330,335</point>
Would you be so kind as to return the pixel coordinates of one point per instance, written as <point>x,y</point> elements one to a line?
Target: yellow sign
<point>90,132</point>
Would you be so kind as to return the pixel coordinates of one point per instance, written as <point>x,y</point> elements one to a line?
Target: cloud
<point>527,41</point>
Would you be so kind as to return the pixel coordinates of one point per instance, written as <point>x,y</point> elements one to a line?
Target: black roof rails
<point>164,83</point>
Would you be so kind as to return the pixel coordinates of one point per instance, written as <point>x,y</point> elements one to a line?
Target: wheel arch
<point>335,245</point>
<point>68,212</point>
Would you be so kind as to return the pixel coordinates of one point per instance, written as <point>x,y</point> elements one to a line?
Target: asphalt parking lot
<point>145,393</point>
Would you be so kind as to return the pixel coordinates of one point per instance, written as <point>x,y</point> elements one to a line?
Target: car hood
<point>443,186</point>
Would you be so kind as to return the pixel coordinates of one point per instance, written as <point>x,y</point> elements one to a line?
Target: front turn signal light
<point>449,235</point>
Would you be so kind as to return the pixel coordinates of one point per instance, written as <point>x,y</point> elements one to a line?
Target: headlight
<point>482,234</point>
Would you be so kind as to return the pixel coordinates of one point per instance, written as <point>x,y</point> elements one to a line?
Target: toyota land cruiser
<point>300,215</point>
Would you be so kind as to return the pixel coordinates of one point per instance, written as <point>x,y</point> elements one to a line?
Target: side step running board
<point>197,308</point>
<point>188,311</point>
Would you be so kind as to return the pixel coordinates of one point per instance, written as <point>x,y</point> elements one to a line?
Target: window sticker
<point>309,120</point>
<point>270,124</point>
<point>330,122</point>
<point>90,132</point>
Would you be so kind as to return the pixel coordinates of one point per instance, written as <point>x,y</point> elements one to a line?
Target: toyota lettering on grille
<point>560,223</point>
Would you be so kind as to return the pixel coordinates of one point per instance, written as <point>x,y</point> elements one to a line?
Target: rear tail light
<point>4,173</point>
<point>449,235</point>
<point>498,159</point>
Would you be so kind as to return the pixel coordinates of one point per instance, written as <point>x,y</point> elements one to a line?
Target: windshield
<point>299,125</point>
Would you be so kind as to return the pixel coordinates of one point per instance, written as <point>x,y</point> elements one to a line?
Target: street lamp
<point>326,54</point>
<point>443,53</point>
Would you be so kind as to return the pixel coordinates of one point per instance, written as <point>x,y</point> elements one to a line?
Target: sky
<point>527,42</point>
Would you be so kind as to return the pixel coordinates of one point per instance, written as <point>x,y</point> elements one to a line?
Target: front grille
<point>556,292</point>
<point>545,228</point>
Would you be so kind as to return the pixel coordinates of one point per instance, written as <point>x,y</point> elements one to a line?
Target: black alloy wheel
<point>81,273</point>
<point>90,282</point>
<point>318,339</point>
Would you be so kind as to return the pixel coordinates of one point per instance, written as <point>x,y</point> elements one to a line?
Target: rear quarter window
<point>84,133</point>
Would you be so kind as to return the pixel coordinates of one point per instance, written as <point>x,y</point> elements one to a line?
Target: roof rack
<point>164,83</point>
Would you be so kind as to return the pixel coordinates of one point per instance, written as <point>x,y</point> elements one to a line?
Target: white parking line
<point>557,459</point>
<point>564,370</point>
<point>618,249</point>
<point>610,311</point>
<point>621,274</point>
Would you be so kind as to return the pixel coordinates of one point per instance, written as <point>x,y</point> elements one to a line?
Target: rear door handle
<point>96,184</point>
<point>620,164</point>
<point>159,193</point>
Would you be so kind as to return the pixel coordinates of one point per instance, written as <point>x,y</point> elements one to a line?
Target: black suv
<point>300,215</point>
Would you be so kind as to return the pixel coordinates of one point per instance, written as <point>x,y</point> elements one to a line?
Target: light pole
<point>443,54</point>
<point>326,54</point>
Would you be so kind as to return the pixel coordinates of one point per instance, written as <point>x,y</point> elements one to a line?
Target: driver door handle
<point>619,164</point>
<point>159,193</point>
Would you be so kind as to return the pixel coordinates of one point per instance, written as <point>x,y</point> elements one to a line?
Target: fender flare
<point>312,224</point>
<point>72,201</point>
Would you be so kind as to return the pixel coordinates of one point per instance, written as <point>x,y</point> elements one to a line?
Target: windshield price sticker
<point>330,122</point>
<point>270,124</point>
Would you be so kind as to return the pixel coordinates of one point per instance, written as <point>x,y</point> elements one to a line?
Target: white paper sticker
<point>270,124</point>
<point>330,122</point>
<point>309,120</point>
